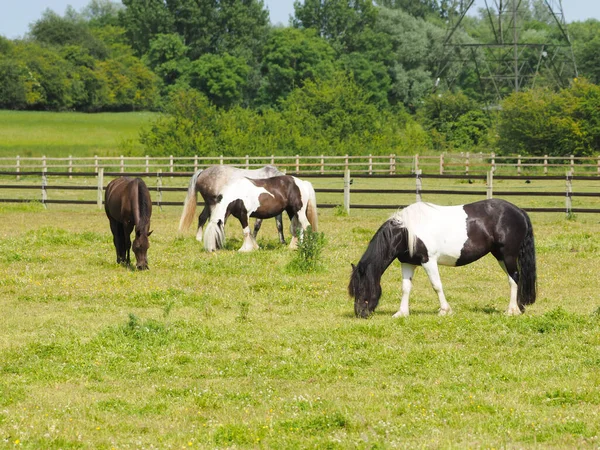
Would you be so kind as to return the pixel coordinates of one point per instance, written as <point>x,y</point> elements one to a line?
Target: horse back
<point>126,198</point>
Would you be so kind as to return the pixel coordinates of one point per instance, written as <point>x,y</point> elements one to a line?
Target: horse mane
<point>380,253</point>
<point>412,218</point>
<point>144,205</point>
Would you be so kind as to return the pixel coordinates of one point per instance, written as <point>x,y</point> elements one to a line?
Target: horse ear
<point>353,267</point>
<point>151,231</point>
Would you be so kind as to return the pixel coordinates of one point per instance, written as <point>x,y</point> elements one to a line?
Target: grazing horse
<point>127,204</point>
<point>423,234</point>
<point>210,182</point>
<point>262,198</point>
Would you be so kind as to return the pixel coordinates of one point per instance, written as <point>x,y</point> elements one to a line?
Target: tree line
<point>343,77</point>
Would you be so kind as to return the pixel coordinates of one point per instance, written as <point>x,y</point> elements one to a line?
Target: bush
<point>308,256</point>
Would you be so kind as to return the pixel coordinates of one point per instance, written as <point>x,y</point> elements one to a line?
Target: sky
<point>18,14</point>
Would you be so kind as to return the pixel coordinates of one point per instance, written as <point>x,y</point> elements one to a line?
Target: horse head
<point>140,247</point>
<point>365,289</point>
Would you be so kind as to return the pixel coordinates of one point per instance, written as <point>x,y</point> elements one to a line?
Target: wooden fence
<point>460,163</point>
<point>340,195</point>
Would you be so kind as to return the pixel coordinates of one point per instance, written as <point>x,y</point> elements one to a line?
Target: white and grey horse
<point>210,182</point>
<point>424,234</point>
<point>262,198</point>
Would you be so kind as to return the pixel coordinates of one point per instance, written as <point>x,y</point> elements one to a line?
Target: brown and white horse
<point>127,204</point>
<point>210,183</point>
<point>424,234</point>
<point>263,199</point>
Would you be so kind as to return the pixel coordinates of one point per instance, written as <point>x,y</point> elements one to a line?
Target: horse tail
<point>311,207</point>
<point>189,206</point>
<point>526,267</point>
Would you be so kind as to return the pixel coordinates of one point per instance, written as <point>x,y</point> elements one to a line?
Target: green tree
<point>221,78</point>
<point>292,57</point>
<point>342,22</point>
<point>586,46</point>
<point>167,57</point>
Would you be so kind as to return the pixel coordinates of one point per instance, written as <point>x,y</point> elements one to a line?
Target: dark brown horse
<point>127,204</point>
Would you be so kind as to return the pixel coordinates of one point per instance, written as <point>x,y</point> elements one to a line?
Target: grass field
<point>27,133</point>
<point>230,350</point>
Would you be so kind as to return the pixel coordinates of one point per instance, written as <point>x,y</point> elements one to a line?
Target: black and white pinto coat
<point>424,234</point>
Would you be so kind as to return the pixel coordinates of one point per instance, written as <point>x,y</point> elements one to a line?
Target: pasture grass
<point>230,350</point>
<point>39,133</point>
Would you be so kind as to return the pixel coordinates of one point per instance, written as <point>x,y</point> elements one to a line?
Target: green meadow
<point>230,350</point>
<point>38,133</point>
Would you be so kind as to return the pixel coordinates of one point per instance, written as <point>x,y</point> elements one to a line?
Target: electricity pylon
<point>511,59</point>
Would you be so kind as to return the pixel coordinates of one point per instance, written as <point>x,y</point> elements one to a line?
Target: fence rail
<point>444,164</point>
<point>341,195</point>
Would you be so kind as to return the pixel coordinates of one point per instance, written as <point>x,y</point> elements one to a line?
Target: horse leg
<point>279,222</point>
<point>299,224</point>
<point>117,231</point>
<point>127,244</point>
<point>202,218</point>
<point>509,265</point>
<point>431,268</point>
<point>408,271</point>
<point>257,226</point>
<point>249,241</point>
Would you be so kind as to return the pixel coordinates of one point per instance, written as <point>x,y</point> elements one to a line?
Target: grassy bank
<point>28,133</point>
<point>234,350</point>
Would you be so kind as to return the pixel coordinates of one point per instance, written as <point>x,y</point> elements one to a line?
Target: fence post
<point>247,162</point>
<point>159,188</point>
<point>171,163</point>
<point>347,183</point>
<point>100,188</point>
<point>44,183</point>
<point>392,160</point>
<point>598,165</point>
<point>96,163</point>
<point>418,184</point>
<point>322,164</point>
<point>493,169</point>
<point>272,160</point>
<point>572,158</point>
<point>568,201</point>
<point>346,168</point>
<point>416,163</point>
<point>489,185</point>
<point>70,167</point>
<point>518,164</point>
<point>441,164</point>
<point>370,164</point>
<point>122,164</point>
<point>467,165</point>
<point>44,167</point>
<point>297,163</point>
<point>545,164</point>
<point>19,166</point>
<point>147,164</point>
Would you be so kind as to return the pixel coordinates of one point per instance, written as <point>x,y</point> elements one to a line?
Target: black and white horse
<point>424,234</point>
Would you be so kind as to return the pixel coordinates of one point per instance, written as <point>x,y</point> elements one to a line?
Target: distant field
<point>34,133</point>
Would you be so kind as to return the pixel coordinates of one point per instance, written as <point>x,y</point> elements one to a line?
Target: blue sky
<point>18,14</point>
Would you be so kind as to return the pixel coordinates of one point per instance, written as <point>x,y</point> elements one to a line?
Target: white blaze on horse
<point>424,234</point>
<point>263,199</point>
<point>210,183</point>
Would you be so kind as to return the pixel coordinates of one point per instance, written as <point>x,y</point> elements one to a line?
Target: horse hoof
<point>400,314</point>
<point>513,312</point>
<point>445,312</point>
